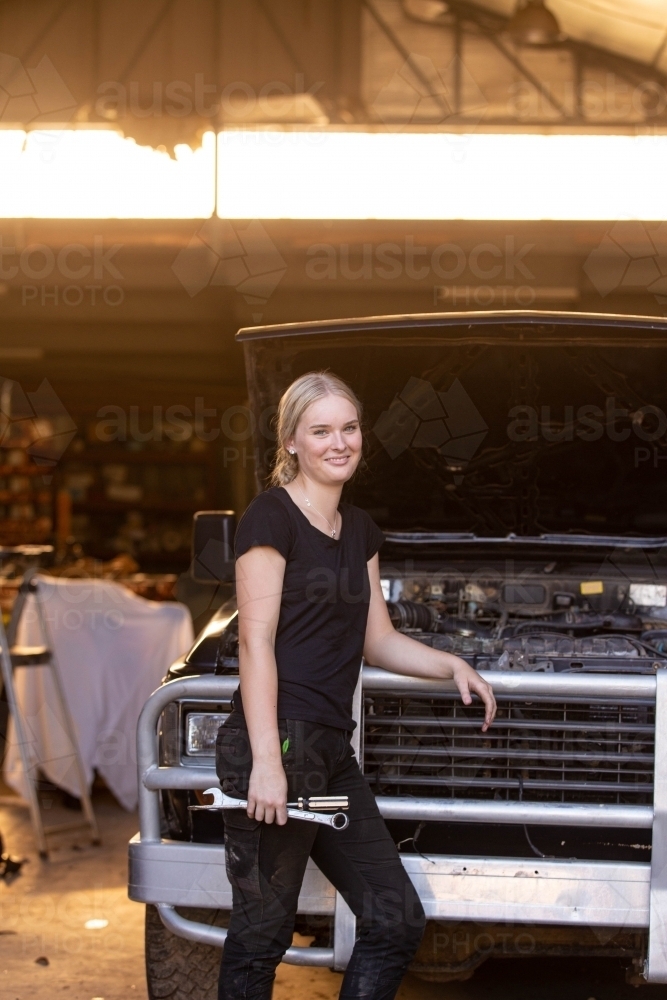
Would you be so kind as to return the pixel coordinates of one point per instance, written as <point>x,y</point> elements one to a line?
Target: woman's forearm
<point>403,655</point>
<point>258,677</point>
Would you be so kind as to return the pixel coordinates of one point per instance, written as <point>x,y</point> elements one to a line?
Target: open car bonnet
<point>490,424</point>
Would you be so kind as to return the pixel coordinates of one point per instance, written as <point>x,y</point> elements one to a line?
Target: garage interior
<point>143,342</point>
<point>123,394</point>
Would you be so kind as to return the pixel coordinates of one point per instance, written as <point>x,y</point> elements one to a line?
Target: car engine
<point>530,625</point>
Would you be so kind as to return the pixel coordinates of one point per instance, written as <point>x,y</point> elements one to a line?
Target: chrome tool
<point>311,809</point>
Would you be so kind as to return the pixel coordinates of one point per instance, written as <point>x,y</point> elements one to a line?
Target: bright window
<point>357,175</point>
<point>86,173</point>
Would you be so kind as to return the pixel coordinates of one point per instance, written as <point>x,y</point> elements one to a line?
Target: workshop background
<point>108,118</point>
<point>174,170</point>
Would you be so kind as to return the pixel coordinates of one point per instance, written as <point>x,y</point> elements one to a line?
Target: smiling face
<point>328,440</point>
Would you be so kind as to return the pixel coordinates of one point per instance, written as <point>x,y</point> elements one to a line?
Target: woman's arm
<point>259,586</point>
<point>385,647</point>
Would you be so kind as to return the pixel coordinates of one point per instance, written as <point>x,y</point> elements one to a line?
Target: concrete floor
<point>44,911</point>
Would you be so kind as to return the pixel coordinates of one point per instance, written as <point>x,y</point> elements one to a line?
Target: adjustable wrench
<point>295,810</point>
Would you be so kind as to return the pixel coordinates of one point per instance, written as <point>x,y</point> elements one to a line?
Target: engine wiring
<point>492,637</point>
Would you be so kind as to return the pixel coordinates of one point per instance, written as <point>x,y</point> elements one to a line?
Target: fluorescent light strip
<point>326,175</point>
<point>357,175</point>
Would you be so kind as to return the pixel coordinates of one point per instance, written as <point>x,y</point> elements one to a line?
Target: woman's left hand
<point>468,680</point>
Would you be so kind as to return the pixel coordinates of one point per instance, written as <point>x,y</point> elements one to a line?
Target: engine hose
<point>655,640</point>
<point>629,623</point>
<point>411,614</point>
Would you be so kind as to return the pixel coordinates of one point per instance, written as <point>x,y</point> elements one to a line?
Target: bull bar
<point>627,895</point>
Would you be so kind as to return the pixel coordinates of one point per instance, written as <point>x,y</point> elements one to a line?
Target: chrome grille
<point>542,750</point>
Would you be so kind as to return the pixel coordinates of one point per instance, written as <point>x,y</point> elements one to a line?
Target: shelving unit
<point>128,497</point>
<point>138,500</point>
<point>26,500</point>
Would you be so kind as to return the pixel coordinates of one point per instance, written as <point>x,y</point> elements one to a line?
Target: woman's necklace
<point>310,504</point>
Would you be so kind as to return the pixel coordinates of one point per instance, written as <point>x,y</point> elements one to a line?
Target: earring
<point>291,451</point>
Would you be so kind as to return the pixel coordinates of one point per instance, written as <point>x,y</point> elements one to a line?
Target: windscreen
<point>493,438</point>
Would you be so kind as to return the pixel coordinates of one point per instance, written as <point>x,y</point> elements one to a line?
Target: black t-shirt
<point>324,604</point>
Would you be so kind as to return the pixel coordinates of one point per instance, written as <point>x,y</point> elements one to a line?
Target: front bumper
<point>524,892</point>
<point>597,894</point>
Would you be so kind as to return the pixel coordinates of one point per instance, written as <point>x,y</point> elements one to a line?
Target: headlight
<point>201,730</point>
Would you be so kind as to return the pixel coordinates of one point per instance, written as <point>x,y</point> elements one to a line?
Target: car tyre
<point>178,969</point>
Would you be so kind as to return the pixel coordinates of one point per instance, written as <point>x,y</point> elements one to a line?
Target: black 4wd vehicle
<point>517,464</point>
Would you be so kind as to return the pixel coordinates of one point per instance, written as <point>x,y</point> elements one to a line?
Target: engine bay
<point>534,620</point>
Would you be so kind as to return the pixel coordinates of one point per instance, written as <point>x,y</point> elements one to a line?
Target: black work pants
<point>266,864</point>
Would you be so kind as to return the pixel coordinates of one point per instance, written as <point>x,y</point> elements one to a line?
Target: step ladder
<point>13,658</point>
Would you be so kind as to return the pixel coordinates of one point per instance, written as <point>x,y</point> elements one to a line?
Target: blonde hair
<point>293,403</point>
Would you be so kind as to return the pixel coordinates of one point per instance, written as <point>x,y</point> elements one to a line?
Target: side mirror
<point>213,546</point>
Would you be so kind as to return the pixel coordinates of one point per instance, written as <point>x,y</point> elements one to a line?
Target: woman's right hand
<point>267,793</point>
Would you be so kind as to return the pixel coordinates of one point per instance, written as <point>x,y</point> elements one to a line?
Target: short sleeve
<point>374,537</point>
<point>265,522</point>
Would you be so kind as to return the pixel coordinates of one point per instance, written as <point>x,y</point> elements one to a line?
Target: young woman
<point>310,604</point>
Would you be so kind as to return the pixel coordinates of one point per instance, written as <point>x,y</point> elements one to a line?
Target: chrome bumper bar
<point>451,810</point>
